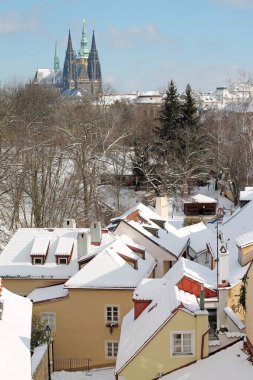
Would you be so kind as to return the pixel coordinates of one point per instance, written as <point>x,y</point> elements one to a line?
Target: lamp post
<point>48,335</point>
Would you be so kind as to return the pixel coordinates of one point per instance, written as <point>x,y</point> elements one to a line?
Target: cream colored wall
<point>246,254</point>
<point>81,330</point>
<point>156,356</point>
<point>157,252</point>
<point>249,305</point>
<point>25,286</point>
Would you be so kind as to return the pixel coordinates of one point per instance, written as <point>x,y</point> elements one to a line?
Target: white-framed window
<point>182,343</point>
<point>111,348</point>
<point>62,260</point>
<point>50,319</point>
<point>112,314</point>
<point>38,260</point>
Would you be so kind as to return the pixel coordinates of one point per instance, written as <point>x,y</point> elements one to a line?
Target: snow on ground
<point>95,374</point>
<point>176,215</point>
<point>228,364</point>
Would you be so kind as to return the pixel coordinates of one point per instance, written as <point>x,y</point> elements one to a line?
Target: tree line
<point>56,151</point>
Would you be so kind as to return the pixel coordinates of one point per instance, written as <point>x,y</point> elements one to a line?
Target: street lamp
<point>48,336</point>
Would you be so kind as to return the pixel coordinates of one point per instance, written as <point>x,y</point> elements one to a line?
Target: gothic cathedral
<point>82,70</point>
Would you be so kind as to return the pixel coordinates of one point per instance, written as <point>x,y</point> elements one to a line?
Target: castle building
<point>81,73</point>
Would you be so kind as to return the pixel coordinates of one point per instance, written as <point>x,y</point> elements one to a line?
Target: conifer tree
<point>189,116</point>
<point>169,115</point>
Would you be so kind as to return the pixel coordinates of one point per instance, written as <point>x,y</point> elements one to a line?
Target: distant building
<point>81,72</point>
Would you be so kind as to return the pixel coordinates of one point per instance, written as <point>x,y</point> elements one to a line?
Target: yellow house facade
<point>249,308</point>
<point>171,332</point>
<point>81,324</point>
<point>86,313</point>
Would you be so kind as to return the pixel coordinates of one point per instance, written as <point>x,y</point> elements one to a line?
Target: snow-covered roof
<point>149,288</point>
<point>174,240</point>
<point>229,364</point>
<point>40,245</point>
<point>199,236</point>
<point>15,260</point>
<point>48,293</point>
<point>145,211</point>
<point>165,239</point>
<point>15,335</point>
<point>193,270</point>
<point>135,333</point>
<point>244,240</point>
<point>64,246</point>
<point>48,76</point>
<point>246,195</point>
<point>112,268</point>
<point>234,318</point>
<point>239,224</point>
<point>200,198</point>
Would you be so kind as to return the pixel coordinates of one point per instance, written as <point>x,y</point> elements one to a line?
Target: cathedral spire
<point>93,43</point>
<point>56,58</point>
<point>84,50</point>
<point>94,69</point>
<point>69,69</point>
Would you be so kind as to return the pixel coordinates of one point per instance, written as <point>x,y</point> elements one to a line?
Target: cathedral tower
<point>82,78</point>
<point>94,69</point>
<point>69,69</point>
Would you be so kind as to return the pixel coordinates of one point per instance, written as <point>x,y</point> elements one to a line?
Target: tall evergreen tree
<point>169,115</point>
<point>189,116</point>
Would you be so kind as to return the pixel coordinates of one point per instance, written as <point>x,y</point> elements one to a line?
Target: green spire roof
<point>84,50</point>
<point>56,59</point>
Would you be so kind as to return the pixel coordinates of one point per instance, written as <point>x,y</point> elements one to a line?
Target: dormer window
<point>40,250</point>
<point>38,260</point>
<point>62,260</point>
<point>64,250</point>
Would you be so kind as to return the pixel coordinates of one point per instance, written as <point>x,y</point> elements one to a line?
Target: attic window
<point>62,260</point>
<point>38,260</point>
<point>40,249</point>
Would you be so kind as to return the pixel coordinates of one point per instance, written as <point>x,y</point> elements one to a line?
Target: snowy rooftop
<point>192,270</point>
<point>64,246</point>
<point>48,293</point>
<point>246,195</point>
<point>15,260</point>
<point>229,364</point>
<point>135,333</point>
<point>200,198</point>
<point>174,240</point>
<point>15,334</point>
<point>149,288</point>
<point>244,240</point>
<point>146,211</point>
<point>113,268</point>
<point>237,226</point>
